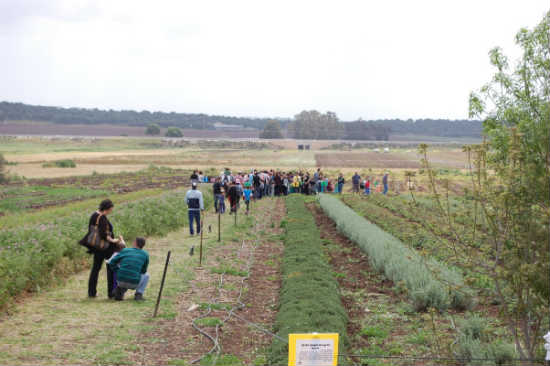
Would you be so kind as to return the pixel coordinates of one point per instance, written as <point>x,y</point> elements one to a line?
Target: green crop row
<point>310,297</point>
<point>427,282</point>
<point>29,254</point>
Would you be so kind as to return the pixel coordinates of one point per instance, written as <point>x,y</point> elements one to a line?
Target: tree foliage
<point>510,188</point>
<point>173,132</point>
<point>272,130</point>
<point>153,129</point>
<point>316,125</point>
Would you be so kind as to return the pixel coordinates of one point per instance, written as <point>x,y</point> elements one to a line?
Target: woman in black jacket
<point>105,230</point>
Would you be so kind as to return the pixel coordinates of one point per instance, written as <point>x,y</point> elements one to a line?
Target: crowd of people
<point>238,186</point>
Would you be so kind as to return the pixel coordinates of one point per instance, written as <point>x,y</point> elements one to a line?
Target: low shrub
<point>310,297</point>
<point>428,282</point>
<point>473,346</point>
<point>28,254</point>
<point>67,163</point>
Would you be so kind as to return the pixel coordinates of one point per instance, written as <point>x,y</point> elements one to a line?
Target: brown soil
<point>261,299</point>
<point>182,342</point>
<point>366,160</point>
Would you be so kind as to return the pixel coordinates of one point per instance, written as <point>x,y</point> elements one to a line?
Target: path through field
<point>216,289</point>
<point>63,326</point>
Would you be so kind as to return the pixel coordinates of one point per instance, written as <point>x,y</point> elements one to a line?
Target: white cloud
<point>358,58</point>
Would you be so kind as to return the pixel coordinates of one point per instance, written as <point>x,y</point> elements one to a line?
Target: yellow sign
<point>315,349</point>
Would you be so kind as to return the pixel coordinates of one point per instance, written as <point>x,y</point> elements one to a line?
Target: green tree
<point>173,132</point>
<point>316,125</point>
<point>153,129</point>
<point>510,188</point>
<point>272,130</point>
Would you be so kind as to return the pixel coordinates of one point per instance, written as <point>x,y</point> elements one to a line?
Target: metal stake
<point>200,250</point>
<point>162,284</point>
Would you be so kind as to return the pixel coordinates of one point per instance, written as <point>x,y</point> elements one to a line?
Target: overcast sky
<point>369,59</point>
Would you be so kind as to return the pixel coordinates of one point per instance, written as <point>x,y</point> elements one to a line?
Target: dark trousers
<point>194,215</point>
<point>99,258</point>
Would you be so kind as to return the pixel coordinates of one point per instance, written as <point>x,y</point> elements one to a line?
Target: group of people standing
<point>258,184</point>
<point>369,184</point>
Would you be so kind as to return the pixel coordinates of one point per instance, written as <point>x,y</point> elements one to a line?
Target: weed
<point>375,332</point>
<point>208,322</point>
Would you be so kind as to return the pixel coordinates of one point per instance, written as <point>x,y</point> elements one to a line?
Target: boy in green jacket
<point>130,266</point>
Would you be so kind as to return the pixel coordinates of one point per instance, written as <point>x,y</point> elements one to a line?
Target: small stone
<point>193,307</point>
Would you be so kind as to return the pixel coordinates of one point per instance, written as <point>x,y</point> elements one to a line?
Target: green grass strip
<point>310,297</point>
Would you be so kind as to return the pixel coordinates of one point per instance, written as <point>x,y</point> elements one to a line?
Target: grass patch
<point>221,360</point>
<point>229,271</point>
<point>375,332</point>
<point>208,322</point>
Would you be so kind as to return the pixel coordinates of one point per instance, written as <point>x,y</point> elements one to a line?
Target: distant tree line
<point>25,112</point>
<point>433,127</point>
<point>305,125</point>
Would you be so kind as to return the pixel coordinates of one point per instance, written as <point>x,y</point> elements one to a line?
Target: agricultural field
<point>378,270</point>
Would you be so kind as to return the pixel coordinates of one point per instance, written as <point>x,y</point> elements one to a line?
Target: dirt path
<point>255,250</point>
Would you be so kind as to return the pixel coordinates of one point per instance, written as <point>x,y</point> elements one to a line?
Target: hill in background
<point>328,125</point>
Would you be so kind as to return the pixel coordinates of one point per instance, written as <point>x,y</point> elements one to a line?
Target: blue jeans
<point>385,188</point>
<point>220,203</point>
<point>140,287</point>
<point>194,215</point>
<point>340,187</point>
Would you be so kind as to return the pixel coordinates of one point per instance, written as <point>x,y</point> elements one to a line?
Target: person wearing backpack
<point>195,204</point>
<point>102,248</point>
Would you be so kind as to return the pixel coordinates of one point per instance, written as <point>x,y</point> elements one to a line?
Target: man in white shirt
<point>195,204</point>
